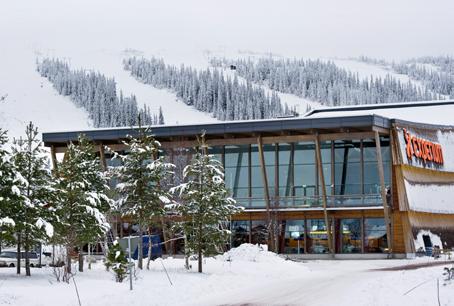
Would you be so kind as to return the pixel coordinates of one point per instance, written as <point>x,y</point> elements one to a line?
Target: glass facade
<point>240,232</point>
<point>375,235</point>
<point>317,237</point>
<point>294,237</point>
<point>350,236</point>
<point>349,168</point>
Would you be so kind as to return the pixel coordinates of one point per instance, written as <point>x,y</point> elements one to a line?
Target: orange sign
<point>423,149</point>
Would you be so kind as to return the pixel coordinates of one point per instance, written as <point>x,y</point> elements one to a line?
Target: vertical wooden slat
<point>54,158</point>
<point>102,157</point>
<point>324,198</point>
<point>381,175</point>
<point>266,192</point>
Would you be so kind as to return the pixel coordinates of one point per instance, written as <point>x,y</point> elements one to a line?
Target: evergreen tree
<point>9,193</point>
<point>139,177</point>
<point>116,260</point>
<point>96,93</point>
<point>32,207</point>
<point>205,205</point>
<point>81,201</point>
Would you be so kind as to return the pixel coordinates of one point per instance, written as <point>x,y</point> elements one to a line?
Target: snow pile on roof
<point>431,198</point>
<point>251,252</point>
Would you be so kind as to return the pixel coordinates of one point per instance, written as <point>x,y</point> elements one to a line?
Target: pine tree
<point>116,260</point>
<point>9,192</point>
<point>205,204</point>
<point>81,202</point>
<point>161,116</point>
<point>139,177</point>
<point>32,211</point>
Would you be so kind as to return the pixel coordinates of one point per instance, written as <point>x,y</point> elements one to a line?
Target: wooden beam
<point>324,198</point>
<point>381,175</point>
<point>54,158</point>
<point>102,157</point>
<point>266,192</point>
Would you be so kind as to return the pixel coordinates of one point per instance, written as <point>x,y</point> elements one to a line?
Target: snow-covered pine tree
<point>205,204</point>
<point>161,117</point>
<point>8,191</point>
<point>116,260</point>
<point>82,200</point>
<point>140,194</point>
<point>32,211</point>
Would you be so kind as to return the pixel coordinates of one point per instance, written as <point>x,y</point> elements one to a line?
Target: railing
<point>333,201</point>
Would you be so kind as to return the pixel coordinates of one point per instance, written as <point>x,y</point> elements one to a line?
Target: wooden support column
<point>381,175</point>
<point>324,198</point>
<point>266,194</point>
<point>102,157</point>
<point>53,154</point>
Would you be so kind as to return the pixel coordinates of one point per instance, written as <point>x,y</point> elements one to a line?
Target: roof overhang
<point>231,129</point>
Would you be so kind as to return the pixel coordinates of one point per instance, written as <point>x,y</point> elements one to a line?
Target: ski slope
<point>32,98</point>
<point>95,35</point>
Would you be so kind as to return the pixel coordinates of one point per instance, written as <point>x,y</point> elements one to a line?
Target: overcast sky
<point>389,29</point>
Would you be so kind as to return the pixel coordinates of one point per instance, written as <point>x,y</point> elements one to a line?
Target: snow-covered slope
<point>94,35</point>
<point>31,98</point>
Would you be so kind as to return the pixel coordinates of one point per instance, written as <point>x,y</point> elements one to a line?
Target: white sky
<point>317,28</point>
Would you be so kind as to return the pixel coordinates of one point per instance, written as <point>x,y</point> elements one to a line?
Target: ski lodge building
<point>382,176</point>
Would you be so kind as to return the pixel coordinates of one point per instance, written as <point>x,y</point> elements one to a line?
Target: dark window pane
<point>317,238</point>
<point>294,237</point>
<point>375,235</point>
<point>259,232</point>
<point>240,232</point>
<point>350,235</point>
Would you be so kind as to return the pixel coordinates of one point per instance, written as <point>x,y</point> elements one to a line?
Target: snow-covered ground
<point>244,276</point>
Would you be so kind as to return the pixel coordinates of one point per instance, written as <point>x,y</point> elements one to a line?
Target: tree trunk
<point>140,249</point>
<point>199,246</point>
<point>149,250</point>
<point>165,234</point>
<point>68,260</point>
<point>27,256</point>
<point>81,260</point>
<point>18,253</point>
<point>186,253</point>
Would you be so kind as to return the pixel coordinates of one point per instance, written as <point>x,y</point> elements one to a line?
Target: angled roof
<point>267,127</point>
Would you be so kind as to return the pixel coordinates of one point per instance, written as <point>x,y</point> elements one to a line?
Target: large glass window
<point>347,167</point>
<point>294,237</point>
<point>217,152</point>
<point>256,171</point>
<point>350,235</point>
<point>317,238</point>
<point>259,232</point>
<point>371,178</point>
<point>305,178</point>
<point>285,170</point>
<point>236,170</point>
<point>325,148</point>
<point>375,235</point>
<point>240,232</point>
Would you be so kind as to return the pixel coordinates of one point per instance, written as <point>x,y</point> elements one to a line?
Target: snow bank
<point>251,252</point>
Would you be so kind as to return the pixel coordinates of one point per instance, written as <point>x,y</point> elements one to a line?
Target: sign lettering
<point>423,149</point>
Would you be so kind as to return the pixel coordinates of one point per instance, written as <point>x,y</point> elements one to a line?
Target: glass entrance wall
<point>349,167</point>
<point>317,237</point>
<point>350,235</point>
<point>240,232</point>
<point>294,237</point>
<point>375,235</point>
